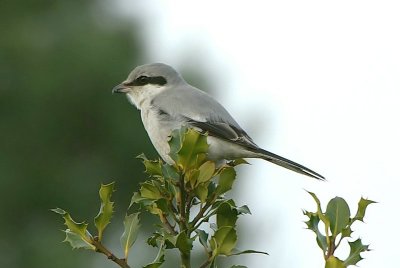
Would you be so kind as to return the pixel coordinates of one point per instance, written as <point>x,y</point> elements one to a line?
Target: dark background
<point>62,132</point>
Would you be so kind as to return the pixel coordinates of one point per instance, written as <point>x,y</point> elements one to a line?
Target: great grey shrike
<point>167,102</point>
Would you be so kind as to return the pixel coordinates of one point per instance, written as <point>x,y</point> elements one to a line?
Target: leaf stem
<point>167,224</point>
<point>184,219</point>
<point>185,260</point>
<point>102,249</point>
<point>206,263</point>
<point>197,221</point>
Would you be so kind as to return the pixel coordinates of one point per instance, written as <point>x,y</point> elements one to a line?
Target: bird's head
<point>146,81</point>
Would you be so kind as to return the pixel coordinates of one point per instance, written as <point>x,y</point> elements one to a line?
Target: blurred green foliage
<point>62,132</point>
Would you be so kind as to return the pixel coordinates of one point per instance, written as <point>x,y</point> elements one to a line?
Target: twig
<point>167,224</point>
<point>206,263</point>
<point>102,249</point>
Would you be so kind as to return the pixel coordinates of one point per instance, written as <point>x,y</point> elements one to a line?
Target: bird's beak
<point>121,88</point>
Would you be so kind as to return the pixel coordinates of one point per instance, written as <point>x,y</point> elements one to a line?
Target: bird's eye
<point>143,80</point>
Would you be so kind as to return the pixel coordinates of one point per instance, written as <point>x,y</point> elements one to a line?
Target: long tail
<point>286,163</point>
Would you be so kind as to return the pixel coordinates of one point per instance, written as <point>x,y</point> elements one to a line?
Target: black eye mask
<point>144,80</point>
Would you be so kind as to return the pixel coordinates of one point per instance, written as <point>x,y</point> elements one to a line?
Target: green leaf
<point>79,229</point>
<point>226,179</point>
<point>321,215</point>
<point>162,240</point>
<point>153,167</point>
<point>160,258</point>
<point>239,161</point>
<point>236,252</point>
<point>238,266</point>
<point>203,236</point>
<point>169,172</point>
<point>76,241</point>
<point>243,210</point>
<point>156,237</point>
<point>136,199</point>
<point>356,247</point>
<point>183,243</point>
<point>188,148</point>
<point>162,204</point>
<point>312,224</point>
<point>191,176</point>
<point>154,264</point>
<point>106,208</point>
<point>226,215</point>
<point>333,262</point>
<point>175,143</point>
<point>347,232</point>
<point>362,206</point>
<point>201,192</point>
<point>150,191</point>
<point>206,170</point>
<point>131,229</point>
<point>338,213</point>
<point>224,241</point>
<point>169,240</point>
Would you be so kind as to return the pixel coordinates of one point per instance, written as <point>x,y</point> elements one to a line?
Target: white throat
<point>142,96</point>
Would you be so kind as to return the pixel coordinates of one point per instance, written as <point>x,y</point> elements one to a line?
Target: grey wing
<point>227,132</point>
<point>196,108</point>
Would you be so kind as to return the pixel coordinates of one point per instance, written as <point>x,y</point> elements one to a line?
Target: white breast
<point>158,130</point>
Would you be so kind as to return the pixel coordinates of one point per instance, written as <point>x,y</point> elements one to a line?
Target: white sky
<point>315,81</point>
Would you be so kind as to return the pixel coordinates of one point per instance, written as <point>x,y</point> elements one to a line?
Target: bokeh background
<point>315,82</point>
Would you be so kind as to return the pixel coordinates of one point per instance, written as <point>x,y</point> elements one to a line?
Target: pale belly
<point>159,132</point>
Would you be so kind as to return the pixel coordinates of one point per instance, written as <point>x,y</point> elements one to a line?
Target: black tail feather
<point>286,163</point>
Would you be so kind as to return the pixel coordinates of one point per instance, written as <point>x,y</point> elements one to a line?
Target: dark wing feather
<point>226,132</point>
<point>233,134</point>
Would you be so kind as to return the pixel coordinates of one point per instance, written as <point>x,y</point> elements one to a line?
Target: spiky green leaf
<point>346,232</point>
<point>356,248</point>
<point>155,239</point>
<point>362,207</point>
<point>79,229</point>
<point>76,241</point>
<point>183,243</point>
<point>136,199</point>
<point>243,210</point>
<point>175,142</point>
<point>153,167</point>
<point>226,215</point>
<point>203,236</point>
<point>150,190</point>
<point>131,228</point>
<point>106,208</point>
<point>320,214</point>
<point>223,241</point>
<point>188,148</point>
<point>312,224</point>
<point>226,179</point>
<point>239,161</point>
<point>160,259</point>
<point>170,172</point>
<point>333,262</point>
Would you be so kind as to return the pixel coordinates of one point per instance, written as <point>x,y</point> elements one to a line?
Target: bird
<point>167,102</point>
